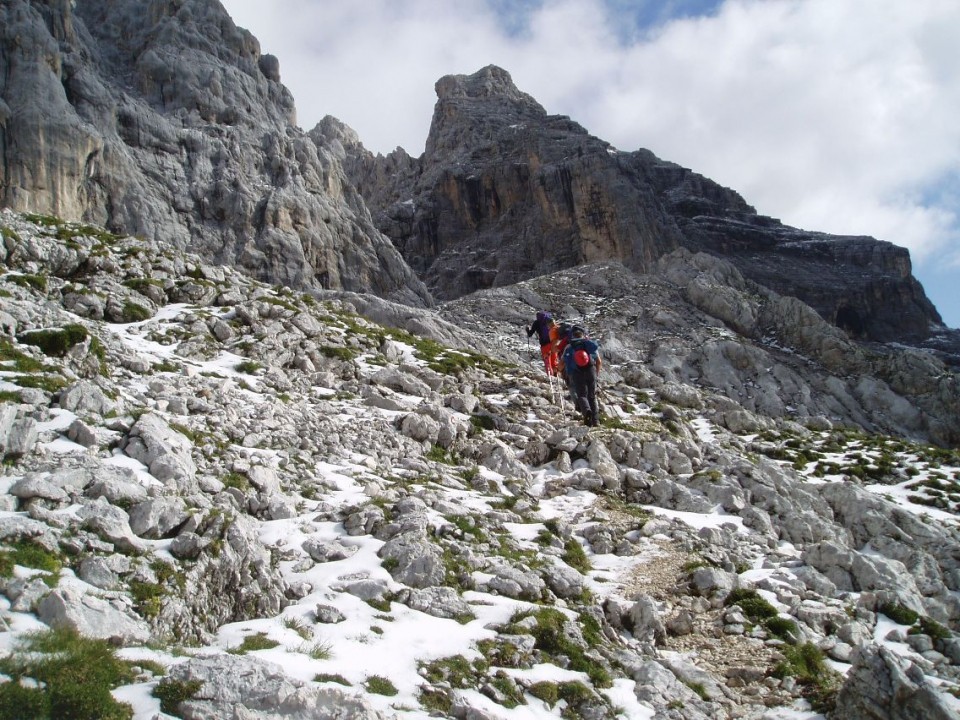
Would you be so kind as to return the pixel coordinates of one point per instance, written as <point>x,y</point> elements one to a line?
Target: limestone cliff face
<point>862,285</point>
<point>505,192</point>
<point>162,118</point>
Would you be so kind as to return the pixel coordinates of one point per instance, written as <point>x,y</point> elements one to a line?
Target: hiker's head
<point>578,332</point>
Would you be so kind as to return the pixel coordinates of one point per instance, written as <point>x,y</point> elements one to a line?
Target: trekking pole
<point>553,391</point>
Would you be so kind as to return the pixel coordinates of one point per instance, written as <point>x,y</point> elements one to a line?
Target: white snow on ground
<point>392,644</point>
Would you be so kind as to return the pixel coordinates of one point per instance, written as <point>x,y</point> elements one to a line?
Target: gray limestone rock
<point>107,116</point>
<point>563,580</point>
<point>329,615</point>
<point>710,580</point>
<point>442,602</point>
<point>18,435</point>
<point>119,486</point>
<point>97,572</point>
<point>234,686</point>
<point>883,686</point>
<point>516,583</point>
<point>416,561</point>
<point>85,398</point>
<point>492,147</point>
<point>157,517</point>
<point>322,551</point>
<point>25,594</point>
<point>92,616</point>
<point>166,452</point>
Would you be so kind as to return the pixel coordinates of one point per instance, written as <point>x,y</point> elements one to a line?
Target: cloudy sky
<point>834,115</point>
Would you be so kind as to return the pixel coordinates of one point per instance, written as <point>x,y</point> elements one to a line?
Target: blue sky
<point>831,115</point>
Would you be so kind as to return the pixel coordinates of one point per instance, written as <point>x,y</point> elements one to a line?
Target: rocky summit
<point>276,442</point>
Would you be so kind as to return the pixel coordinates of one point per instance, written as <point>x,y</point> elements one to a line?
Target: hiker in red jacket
<point>541,326</point>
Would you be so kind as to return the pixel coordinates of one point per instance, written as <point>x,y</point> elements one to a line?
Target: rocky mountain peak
<point>472,109</point>
<point>488,82</point>
<point>506,192</point>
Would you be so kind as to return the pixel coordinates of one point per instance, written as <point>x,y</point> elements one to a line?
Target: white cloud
<point>833,115</point>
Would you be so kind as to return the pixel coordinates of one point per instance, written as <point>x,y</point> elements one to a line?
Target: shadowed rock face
<point>163,119</point>
<point>505,192</point>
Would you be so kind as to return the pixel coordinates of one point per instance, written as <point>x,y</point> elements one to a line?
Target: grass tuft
<point>72,678</point>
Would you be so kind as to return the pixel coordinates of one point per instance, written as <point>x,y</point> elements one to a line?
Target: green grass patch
<point>448,361</point>
<point>318,650</point>
<point>782,628</point>
<point>173,692</point>
<point>73,677</point>
<point>481,422</point>
<point>166,366</point>
<point>48,383</point>
<point>575,557</point>
<point>9,234</point>
<point>55,342</point>
<point>142,284</point>
<point>21,361</point>
<point>754,606</point>
<point>236,480</point>
<point>299,626</point>
<point>547,691</point>
<point>456,671</point>
<point>379,685</point>
<point>549,638</point>
<point>33,555</point>
<point>928,626</point>
<point>381,604</point>
<point>31,282</point>
<point>510,692</point>
<point>338,352</point>
<point>147,596</point>
<point>134,312</point>
<point>437,702</point>
<point>331,677</point>
<point>469,526</point>
<point>252,643</point>
<point>6,564</point>
<point>247,366</point>
<point>808,665</point>
<point>900,613</point>
<point>441,455</point>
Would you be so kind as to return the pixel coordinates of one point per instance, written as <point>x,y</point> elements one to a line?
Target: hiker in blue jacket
<point>581,363</point>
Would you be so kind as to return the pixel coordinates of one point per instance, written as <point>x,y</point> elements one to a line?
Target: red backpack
<point>581,357</point>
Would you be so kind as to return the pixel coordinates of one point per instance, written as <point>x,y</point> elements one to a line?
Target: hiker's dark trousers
<point>584,384</point>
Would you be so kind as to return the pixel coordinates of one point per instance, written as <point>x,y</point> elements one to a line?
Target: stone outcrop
<point>165,120</point>
<point>506,191</point>
<point>232,687</point>
<point>881,686</point>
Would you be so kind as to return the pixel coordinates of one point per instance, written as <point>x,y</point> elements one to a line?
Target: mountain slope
<point>163,119</point>
<point>275,507</point>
